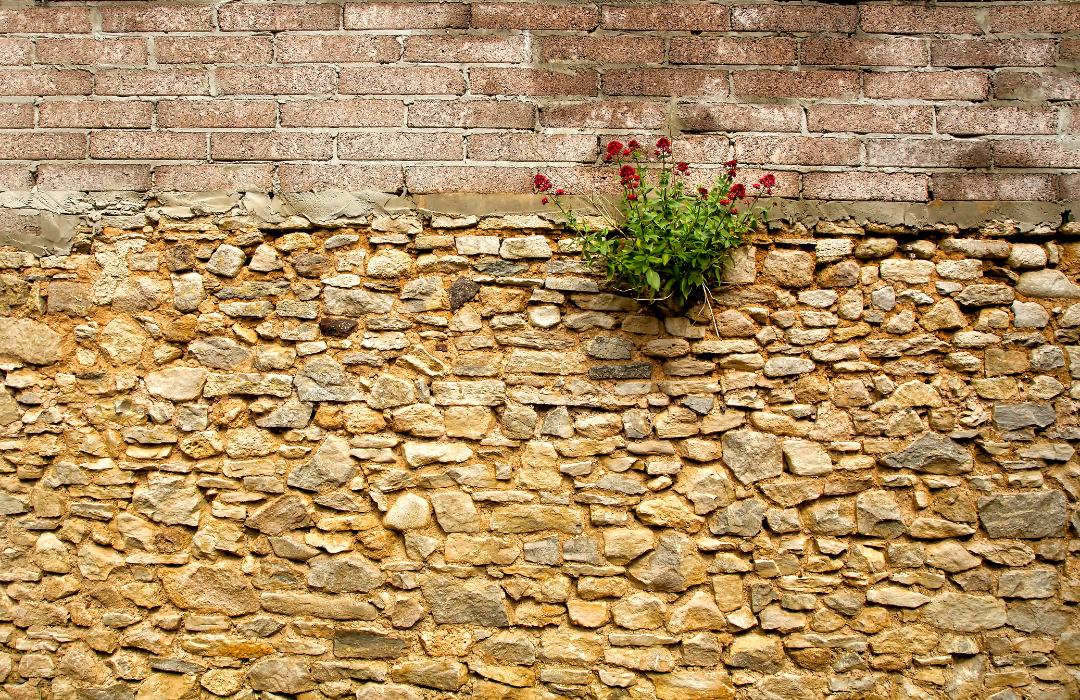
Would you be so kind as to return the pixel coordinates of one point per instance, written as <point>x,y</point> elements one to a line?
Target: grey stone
<point>176,383</point>
<point>672,567</point>
<point>787,366</point>
<point>29,341</point>
<point>367,644</point>
<point>188,291</point>
<point>323,379</point>
<point>752,456</point>
<point>465,602</point>
<point>878,515</point>
<point>962,612</point>
<point>524,248</point>
<point>934,454</point>
<point>280,515</point>
<point>789,268</point>
<point>356,302</point>
<point>1047,284</point>
<point>1014,416</point>
<point>1030,515</point>
<point>352,573</point>
<point>331,465</point>
<point>985,295</point>
<point>631,370</point>
<point>227,261</point>
<point>281,675</point>
<point>219,352</point>
<point>169,500</point>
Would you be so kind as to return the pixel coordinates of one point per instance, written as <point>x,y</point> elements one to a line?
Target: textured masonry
<point>409,455</point>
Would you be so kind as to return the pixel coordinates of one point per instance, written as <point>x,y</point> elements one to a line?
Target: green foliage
<point>670,240</point>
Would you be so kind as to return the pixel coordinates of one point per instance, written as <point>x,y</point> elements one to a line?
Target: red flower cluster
<point>682,168</point>
<point>541,183</point>
<point>614,149</point>
<point>732,167</point>
<point>663,147</point>
<point>737,191</point>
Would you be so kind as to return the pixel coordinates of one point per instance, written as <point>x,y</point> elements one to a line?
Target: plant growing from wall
<point>665,240</point>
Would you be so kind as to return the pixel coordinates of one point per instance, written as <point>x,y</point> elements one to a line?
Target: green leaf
<point>653,279</point>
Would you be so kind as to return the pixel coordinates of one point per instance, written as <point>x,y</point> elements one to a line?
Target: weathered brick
<point>213,49</point>
<point>130,82</point>
<point>94,177</point>
<point>1034,18</point>
<point>278,145</point>
<point>111,145</point>
<point>928,153</point>
<point>349,177</point>
<point>476,114</point>
<point>927,85</point>
<point>343,113</point>
<point>15,51</point>
<point>1070,118</point>
<point>703,149</point>
<point>1036,87</point>
<point>607,114</point>
<point>272,17</point>
<point>990,52</point>
<point>465,48</point>
<point>46,20</point>
<point>516,15</point>
<point>82,51</point>
<point>95,114</point>
<point>14,177</point>
<point>39,82</point>
<point>911,19</point>
<point>894,51</point>
<point>981,119</point>
<point>599,49</point>
<point>668,17</point>
<point>803,83</point>
<point>322,48</point>
<point>228,177</point>
<point>406,15</point>
<point>25,145</point>
<point>794,18</point>
<point>387,80</point>
<point>216,113</point>
<point>533,147</point>
<point>298,80</point>
<point>156,17</point>
<point>733,51</point>
<point>797,150</point>
<point>531,81</point>
<point>1068,187</point>
<point>401,145</point>
<point>430,179</point>
<point>993,186</point>
<point>1037,153</point>
<point>17,115</point>
<point>890,187</point>
<point>868,119</point>
<point>739,117</point>
<point>676,82</point>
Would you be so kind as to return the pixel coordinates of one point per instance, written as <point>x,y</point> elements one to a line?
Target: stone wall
<point>413,454</point>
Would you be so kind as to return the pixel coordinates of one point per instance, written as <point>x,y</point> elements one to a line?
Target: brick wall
<point>903,102</point>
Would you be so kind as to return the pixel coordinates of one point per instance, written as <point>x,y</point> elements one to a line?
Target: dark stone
<point>337,326</point>
<point>462,291</point>
<point>633,370</point>
<point>500,268</point>
<point>180,258</point>
<point>366,644</point>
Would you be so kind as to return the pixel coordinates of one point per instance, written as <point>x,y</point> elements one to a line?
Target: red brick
<point>278,145</point>
<point>156,17</point>
<point>734,117</point>
<point>728,51</point>
<point>39,82</point>
<point>980,119</point>
<point>699,150</point>
<point>143,81</point>
<point>227,177</point>
<point>802,83</point>
<point>531,81</point>
<point>1070,117</point>
<point>115,52</point>
<point>1034,18</point>
<point>927,85</point>
<point>600,49</point>
<point>299,80</point>
<point>213,49</point>
<point>781,17</point>
<point>46,20</point>
<point>406,15</point>
<point>484,178</point>
<point>928,153</point>
<point>993,186</point>
<point>1037,153</point>
<point>465,48</point>
<point>518,15</point>
<point>476,114</point>
<point>668,17</point>
<point>1036,87</point>
<point>992,53</point>
<point>17,115</point>
<point>894,51</point>
<point>401,145</point>
<point>533,147</point>
<point>796,150</point>
<point>16,177</point>
<point>322,48</point>
<point>608,114</point>
<point>909,19</point>
<point>889,187</point>
<point>393,80</point>
<point>216,113</point>
<point>278,17</point>
<point>94,177</point>
<point>15,52</point>
<point>676,82</point>
<point>95,114</point>
<point>114,145</point>
<point>1069,49</point>
<point>42,146</point>
<point>344,113</point>
<point>870,119</point>
<point>347,177</point>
